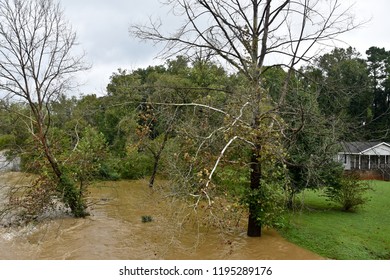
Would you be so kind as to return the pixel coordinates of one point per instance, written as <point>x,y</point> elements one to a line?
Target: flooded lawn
<point>117,229</point>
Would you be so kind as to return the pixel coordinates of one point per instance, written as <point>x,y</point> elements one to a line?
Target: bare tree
<point>37,62</point>
<point>251,36</point>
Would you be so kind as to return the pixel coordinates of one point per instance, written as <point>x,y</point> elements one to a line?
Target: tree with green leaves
<point>146,104</point>
<point>342,82</point>
<point>246,35</point>
<point>331,102</point>
<point>378,60</point>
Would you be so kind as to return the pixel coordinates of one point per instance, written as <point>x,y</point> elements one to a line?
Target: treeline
<point>186,120</point>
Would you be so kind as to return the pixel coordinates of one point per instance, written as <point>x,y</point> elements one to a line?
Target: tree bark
<point>157,160</point>
<point>52,161</point>
<point>254,225</point>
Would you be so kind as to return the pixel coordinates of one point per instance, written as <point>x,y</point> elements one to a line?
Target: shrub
<point>108,171</point>
<point>27,202</point>
<point>349,192</point>
<point>6,141</point>
<point>146,219</point>
<point>136,166</point>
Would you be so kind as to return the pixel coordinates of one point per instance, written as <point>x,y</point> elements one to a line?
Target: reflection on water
<point>115,230</point>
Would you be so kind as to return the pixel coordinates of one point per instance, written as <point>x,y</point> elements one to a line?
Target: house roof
<point>360,147</point>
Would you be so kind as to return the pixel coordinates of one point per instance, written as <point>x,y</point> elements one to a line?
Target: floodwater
<point>115,230</point>
<point>8,165</point>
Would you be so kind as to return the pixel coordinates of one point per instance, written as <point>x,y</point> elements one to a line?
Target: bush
<point>349,192</point>
<point>136,166</point>
<point>27,202</point>
<point>108,171</point>
<point>6,141</point>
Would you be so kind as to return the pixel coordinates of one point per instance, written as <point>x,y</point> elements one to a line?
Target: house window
<point>345,158</point>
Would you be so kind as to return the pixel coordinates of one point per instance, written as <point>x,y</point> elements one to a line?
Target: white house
<point>364,155</point>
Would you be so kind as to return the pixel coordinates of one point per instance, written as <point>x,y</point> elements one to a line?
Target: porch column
<point>369,162</point>
<point>360,161</point>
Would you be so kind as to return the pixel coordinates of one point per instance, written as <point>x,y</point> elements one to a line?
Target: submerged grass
<point>361,235</point>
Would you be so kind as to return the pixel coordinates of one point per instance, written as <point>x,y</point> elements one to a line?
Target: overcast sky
<point>102,29</point>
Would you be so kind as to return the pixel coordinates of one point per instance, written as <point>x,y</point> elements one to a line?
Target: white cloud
<point>102,28</point>
<point>374,32</point>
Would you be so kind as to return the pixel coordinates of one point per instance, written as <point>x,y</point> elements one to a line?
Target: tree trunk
<point>51,159</point>
<point>254,226</point>
<point>42,138</point>
<point>157,158</point>
<point>290,201</point>
<point>71,196</point>
<point>153,176</point>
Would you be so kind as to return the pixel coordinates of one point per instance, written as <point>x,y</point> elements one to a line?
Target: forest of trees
<point>151,121</point>
<point>257,135</point>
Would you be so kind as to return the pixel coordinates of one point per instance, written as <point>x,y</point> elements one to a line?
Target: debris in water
<point>147,219</point>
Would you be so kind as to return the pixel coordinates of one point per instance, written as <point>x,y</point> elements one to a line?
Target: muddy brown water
<point>115,230</point>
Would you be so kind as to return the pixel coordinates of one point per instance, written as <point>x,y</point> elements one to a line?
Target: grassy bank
<point>322,228</point>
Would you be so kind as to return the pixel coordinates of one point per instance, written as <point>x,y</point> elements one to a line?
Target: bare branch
<point>37,60</point>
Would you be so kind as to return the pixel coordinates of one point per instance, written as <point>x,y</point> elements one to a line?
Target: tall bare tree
<point>37,62</point>
<point>250,36</point>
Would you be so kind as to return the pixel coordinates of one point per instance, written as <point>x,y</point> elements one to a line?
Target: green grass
<point>361,235</point>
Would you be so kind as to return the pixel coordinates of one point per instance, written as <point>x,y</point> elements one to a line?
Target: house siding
<point>376,156</point>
